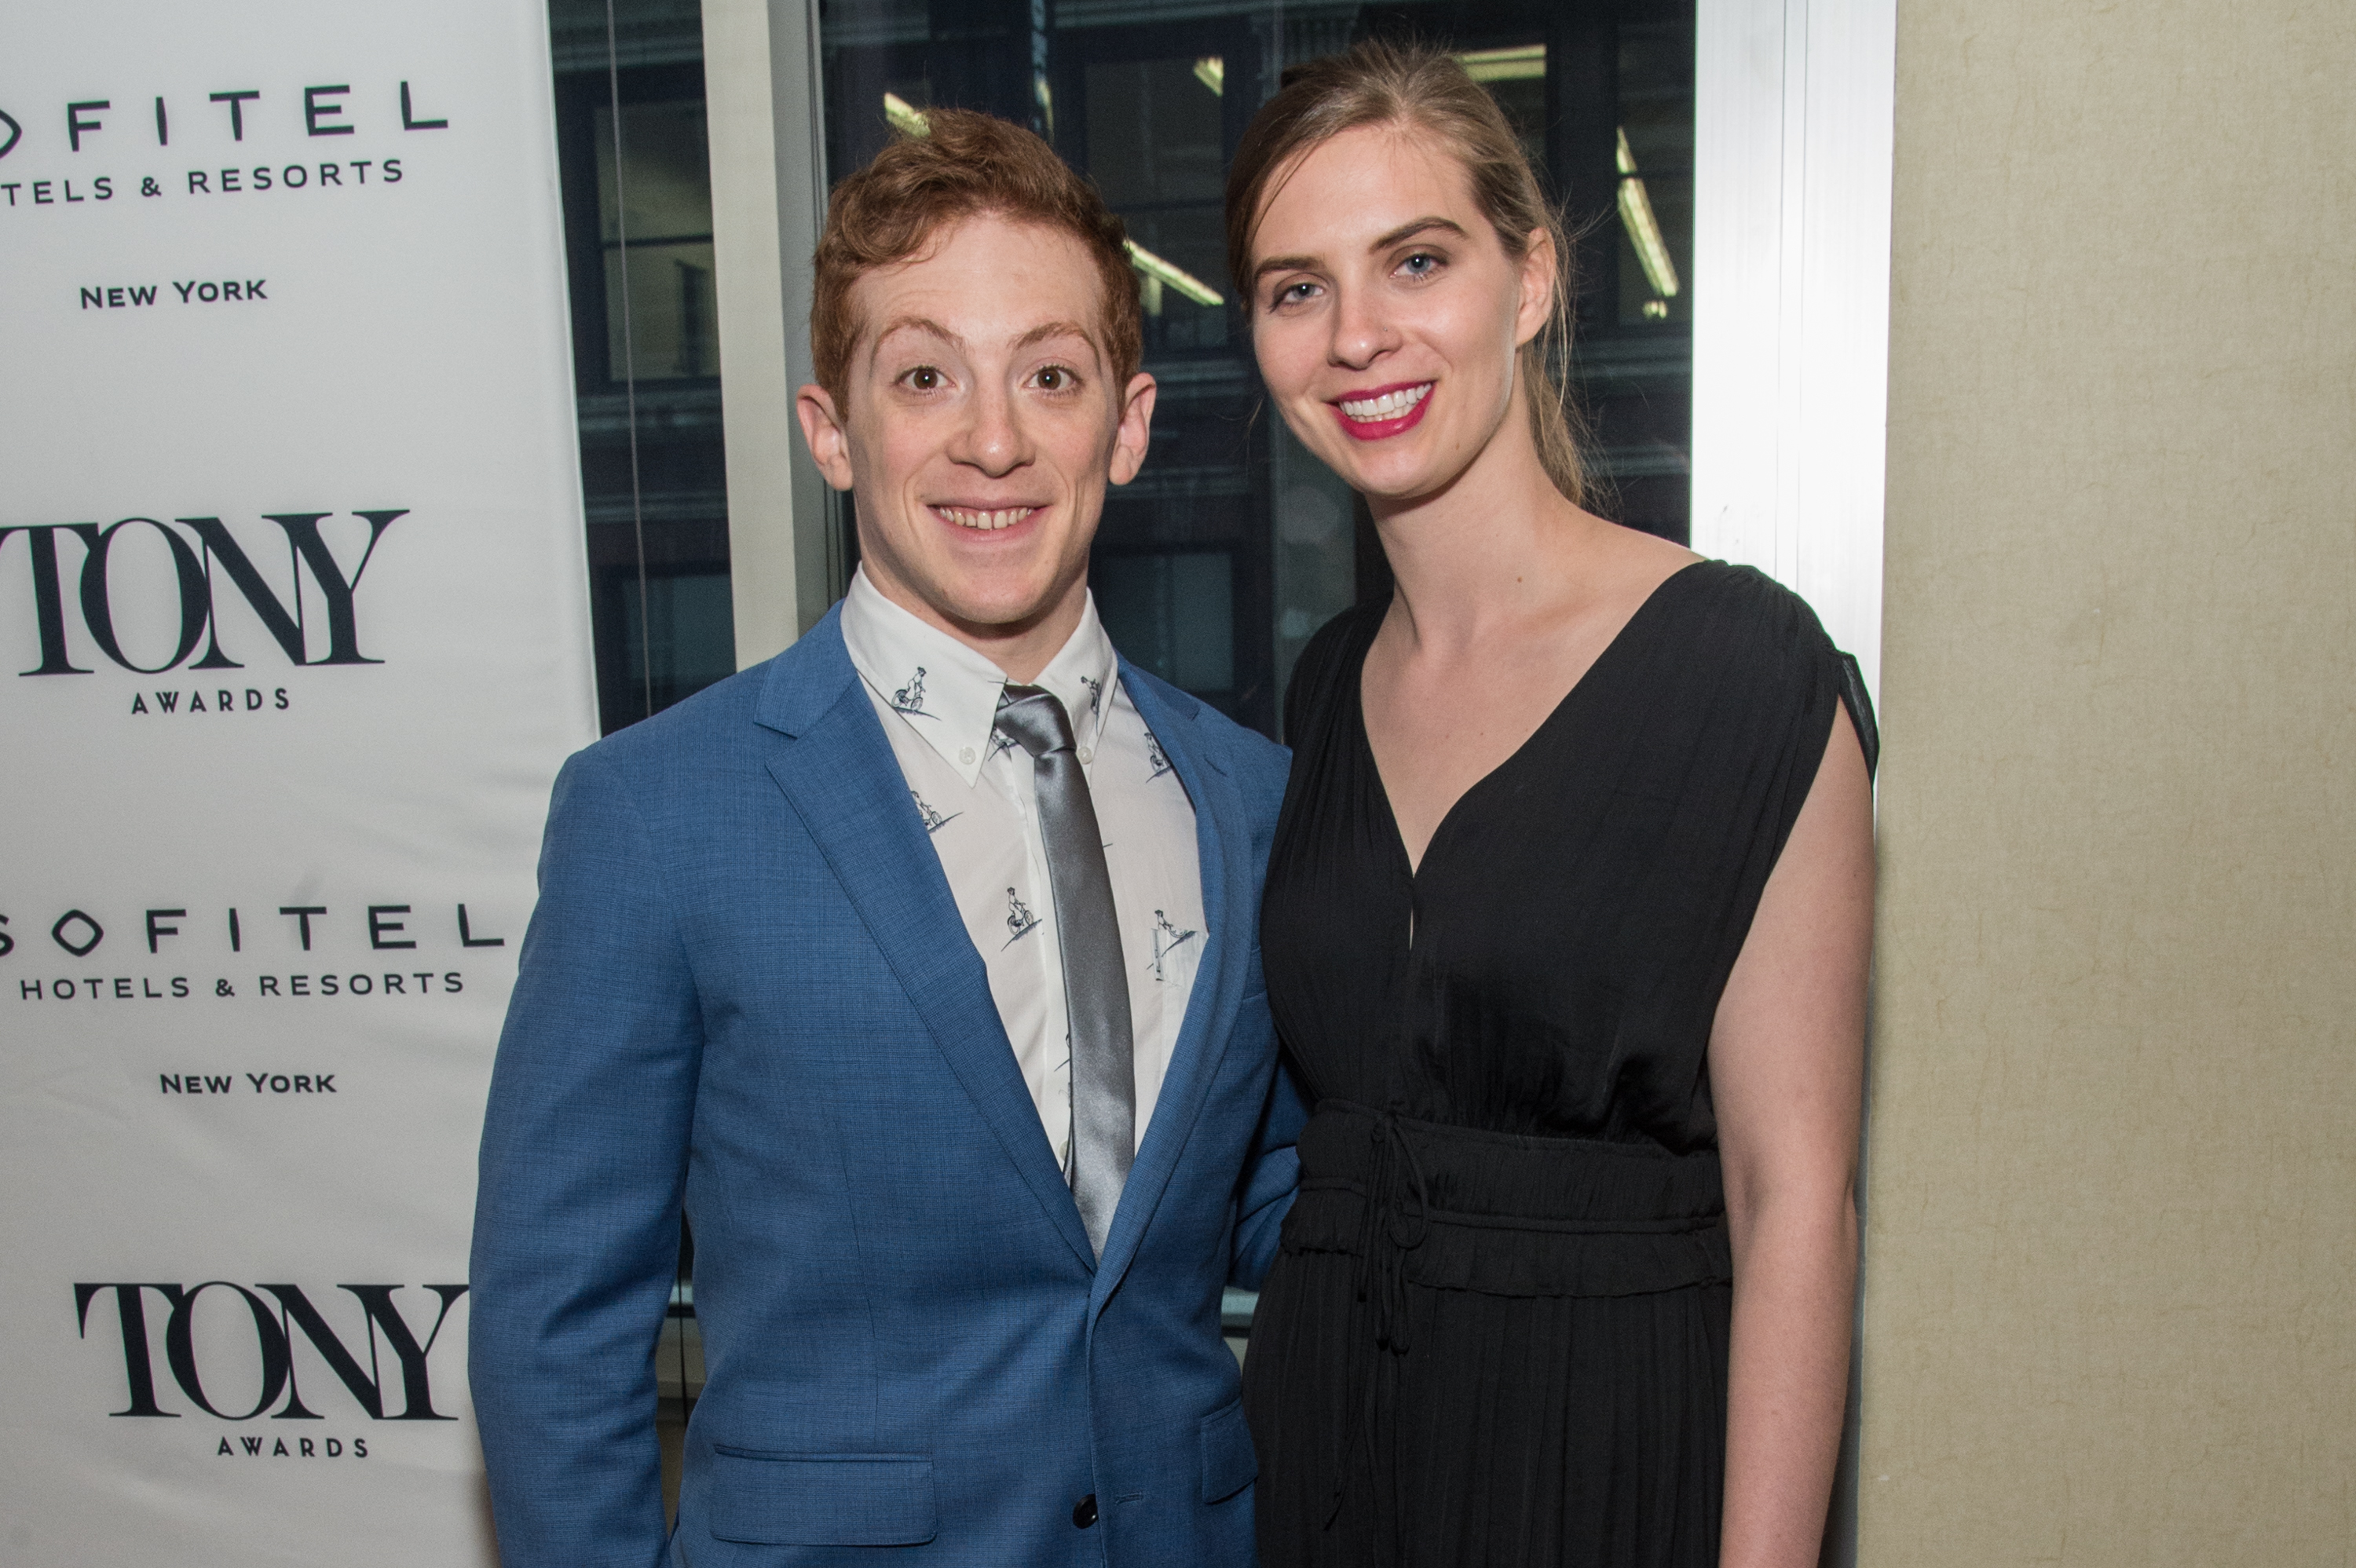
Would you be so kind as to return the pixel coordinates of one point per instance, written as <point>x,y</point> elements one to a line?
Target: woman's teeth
<point>1004,518</point>
<point>1390,405</point>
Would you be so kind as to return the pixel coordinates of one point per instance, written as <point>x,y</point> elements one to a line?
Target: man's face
<point>979,428</point>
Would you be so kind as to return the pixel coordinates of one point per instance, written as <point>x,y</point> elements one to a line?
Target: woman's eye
<point>1055,378</point>
<point>1422,264</point>
<point>1293,293</point>
<point>923,379</point>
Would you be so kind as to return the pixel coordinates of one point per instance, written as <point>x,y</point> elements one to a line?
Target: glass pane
<point>637,220</point>
<point>1315,545</point>
<point>673,325</point>
<point>1516,77</point>
<point>1176,615</point>
<point>692,640</point>
<point>1155,133</point>
<point>667,193</point>
<point>1234,536</point>
<point>654,218</point>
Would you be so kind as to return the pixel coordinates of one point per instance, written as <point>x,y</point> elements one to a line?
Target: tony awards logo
<point>147,595</point>
<point>297,1365</point>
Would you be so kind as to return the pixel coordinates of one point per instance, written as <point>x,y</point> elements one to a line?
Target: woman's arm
<point>1786,1068</point>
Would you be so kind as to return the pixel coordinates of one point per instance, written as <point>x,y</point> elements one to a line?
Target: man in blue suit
<point>919,967</point>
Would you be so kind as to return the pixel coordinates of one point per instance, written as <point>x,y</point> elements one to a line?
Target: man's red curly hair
<point>967,165</point>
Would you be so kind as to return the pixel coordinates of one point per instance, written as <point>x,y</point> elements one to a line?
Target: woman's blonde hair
<point>1421,87</point>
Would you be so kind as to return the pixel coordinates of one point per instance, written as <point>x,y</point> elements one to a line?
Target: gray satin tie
<point>1095,974</point>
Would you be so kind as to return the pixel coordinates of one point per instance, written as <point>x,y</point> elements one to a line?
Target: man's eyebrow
<point>923,324</point>
<point>1048,329</point>
<point>1407,230</point>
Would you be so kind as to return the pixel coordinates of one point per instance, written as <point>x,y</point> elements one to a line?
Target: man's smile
<point>982,519</point>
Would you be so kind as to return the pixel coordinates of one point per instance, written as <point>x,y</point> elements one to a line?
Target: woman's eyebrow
<point>1406,230</point>
<point>1410,230</point>
<point>1283,264</point>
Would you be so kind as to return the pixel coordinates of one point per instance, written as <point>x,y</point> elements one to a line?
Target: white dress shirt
<point>973,789</point>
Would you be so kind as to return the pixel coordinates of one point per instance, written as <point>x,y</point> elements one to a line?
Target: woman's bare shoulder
<point>1643,560</point>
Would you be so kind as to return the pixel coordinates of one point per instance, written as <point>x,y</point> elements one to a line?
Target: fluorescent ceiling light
<point>1211,70</point>
<point>1524,62</point>
<point>1643,228</point>
<point>910,121</point>
<point>905,117</point>
<point>1162,271</point>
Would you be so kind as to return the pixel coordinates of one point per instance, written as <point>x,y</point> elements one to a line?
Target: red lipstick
<point>1395,424</point>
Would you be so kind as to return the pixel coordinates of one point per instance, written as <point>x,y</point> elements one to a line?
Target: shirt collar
<point>947,693</point>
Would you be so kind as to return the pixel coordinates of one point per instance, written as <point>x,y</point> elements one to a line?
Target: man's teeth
<point>1390,405</point>
<point>1004,518</point>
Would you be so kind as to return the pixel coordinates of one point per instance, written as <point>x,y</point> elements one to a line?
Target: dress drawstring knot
<point>1382,1250</point>
<point>1382,1278</point>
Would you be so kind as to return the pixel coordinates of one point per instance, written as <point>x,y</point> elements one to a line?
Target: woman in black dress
<point>1565,927</point>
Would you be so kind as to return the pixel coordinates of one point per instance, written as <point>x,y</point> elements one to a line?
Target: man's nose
<point>992,437</point>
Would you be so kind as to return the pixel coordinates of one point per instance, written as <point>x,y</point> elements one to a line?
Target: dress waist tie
<point>1490,1212</point>
<point>1381,1279</point>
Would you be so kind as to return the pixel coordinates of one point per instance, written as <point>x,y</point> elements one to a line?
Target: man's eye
<point>1055,378</point>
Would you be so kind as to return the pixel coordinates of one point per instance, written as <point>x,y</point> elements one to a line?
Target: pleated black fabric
<point>1496,1334</point>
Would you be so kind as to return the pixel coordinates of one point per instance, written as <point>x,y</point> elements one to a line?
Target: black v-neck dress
<point>1496,1334</point>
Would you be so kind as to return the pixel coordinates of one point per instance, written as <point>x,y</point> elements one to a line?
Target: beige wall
<point>2111,1308</point>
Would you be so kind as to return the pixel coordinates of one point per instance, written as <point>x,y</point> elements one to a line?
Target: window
<point>638,215</point>
<point>1216,566</point>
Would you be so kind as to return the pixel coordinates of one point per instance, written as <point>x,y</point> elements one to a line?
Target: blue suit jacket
<point>746,990</point>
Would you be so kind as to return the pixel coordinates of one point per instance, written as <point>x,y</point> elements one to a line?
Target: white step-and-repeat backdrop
<point>293,635</point>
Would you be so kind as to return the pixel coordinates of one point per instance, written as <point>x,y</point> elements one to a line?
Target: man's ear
<point>1135,430</point>
<point>829,443</point>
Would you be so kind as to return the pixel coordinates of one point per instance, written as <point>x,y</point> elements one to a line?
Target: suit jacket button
<point>1084,1512</point>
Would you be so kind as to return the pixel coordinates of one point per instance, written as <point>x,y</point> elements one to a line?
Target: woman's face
<point>1384,314</point>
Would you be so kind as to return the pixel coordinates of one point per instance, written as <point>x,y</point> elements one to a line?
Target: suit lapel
<point>837,770</point>
<point>1221,845</point>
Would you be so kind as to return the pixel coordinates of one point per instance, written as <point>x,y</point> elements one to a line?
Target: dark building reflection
<point>637,215</point>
